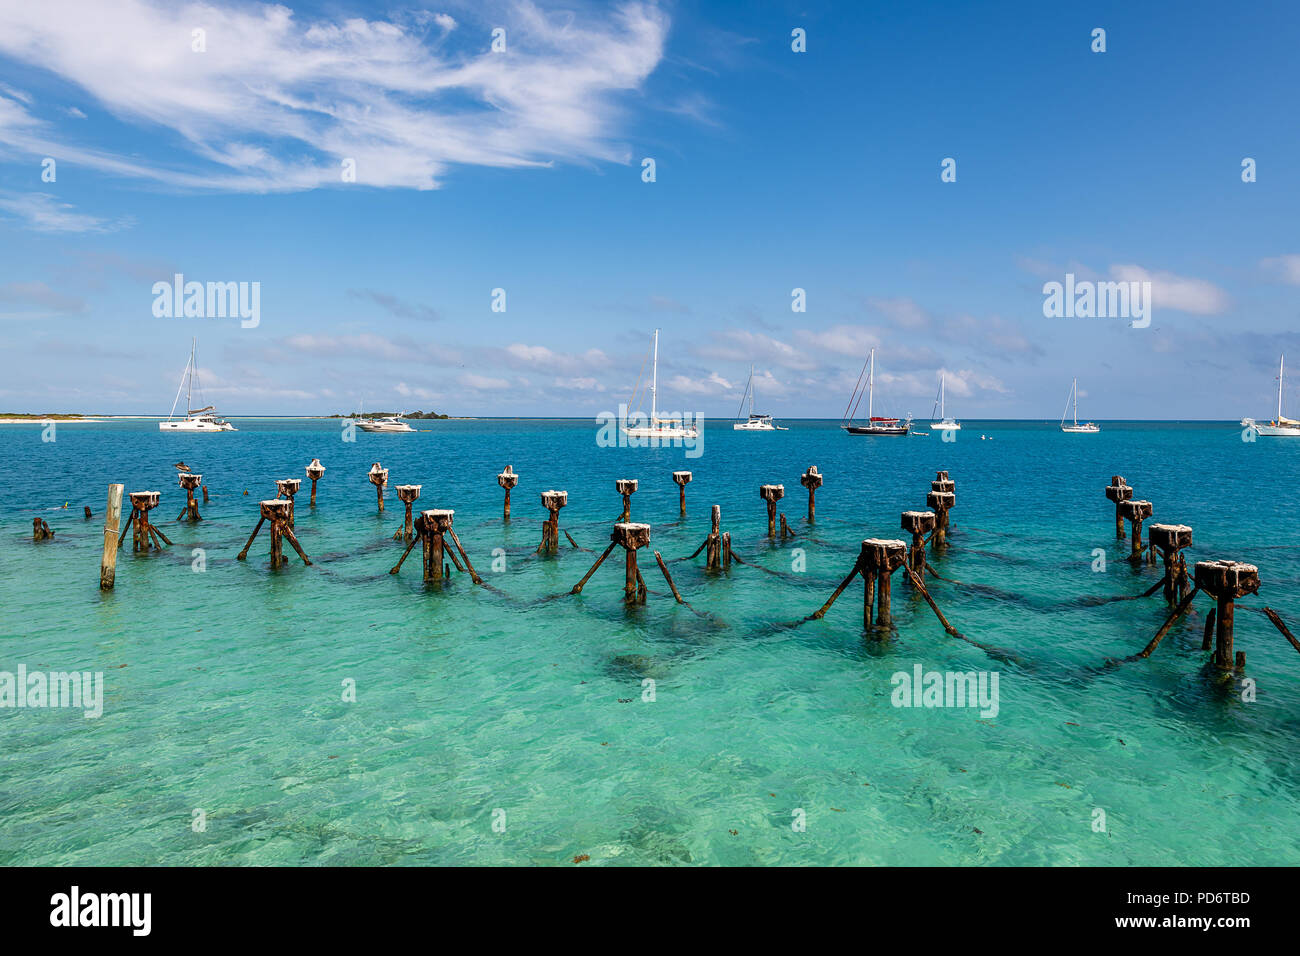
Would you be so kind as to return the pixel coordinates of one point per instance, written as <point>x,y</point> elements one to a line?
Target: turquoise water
<point>224,689</point>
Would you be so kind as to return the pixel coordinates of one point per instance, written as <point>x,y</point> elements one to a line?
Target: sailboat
<point>1280,427</point>
<point>196,419</point>
<point>755,423</point>
<point>945,424</point>
<point>876,425</point>
<point>669,428</point>
<point>1087,428</point>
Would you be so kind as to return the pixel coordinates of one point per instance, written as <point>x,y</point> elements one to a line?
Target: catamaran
<point>944,424</point>
<point>1087,428</point>
<point>755,422</point>
<point>876,425</point>
<point>1280,427</point>
<point>668,428</point>
<point>196,419</point>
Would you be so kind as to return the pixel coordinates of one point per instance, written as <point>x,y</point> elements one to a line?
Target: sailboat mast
<point>654,381</point>
<point>942,415</point>
<point>189,388</point>
<point>871,386</point>
<point>1281,363</point>
<point>1074,392</point>
<point>751,392</point>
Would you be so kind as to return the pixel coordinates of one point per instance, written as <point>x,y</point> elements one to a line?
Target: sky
<point>431,223</point>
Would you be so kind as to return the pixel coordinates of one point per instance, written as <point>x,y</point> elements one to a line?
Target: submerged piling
<point>632,536</point>
<point>144,536</point>
<point>189,483</point>
<point>277,511</point>
<point>286,488</point>
<point>917,524</point>
<point>940,502</point>
<point>407,494</point>
<point>1135,512</point>
<point>771,494</point>
<point>436,523</point>
<point>1119,492</point>
<point>507,480</point>
<point>812,480</point>
<point>878,560</point>
<point>314,472</point>
<point>682,478</point>
<point>1226,581</point>
<point>627,488</point>
<point>40,530</point>
<point>1170,539</point>
<point>552,501</point>
<point>378,476</point>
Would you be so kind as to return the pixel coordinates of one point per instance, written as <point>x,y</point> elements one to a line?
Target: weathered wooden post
<point>713,543</point>
<point>276,511</point>
<point>552,501</point>
<point>112,523</point>
<point>144,535</point>
<point>1225,581</point>
<point>1119,492</point>
<point>407,494</point>
<point>1171,539</point>
<point>879,559</point>
<point>205,494</point>
<point>507,480</point>
<point>287,488</point>
<point>632,536</point>
<point>771,494</point>
<point>191,509</point>
<point>379,478</point>
<point>314,472</point>
<point>683,478</point>
<point>88,514</point>
<point>627,488</point>
<point>940,502</point>
<point>437,522</point>
<point>917,523</point>
<point>40,530</point>
<point>812,480</point>
<point>1135,511</point>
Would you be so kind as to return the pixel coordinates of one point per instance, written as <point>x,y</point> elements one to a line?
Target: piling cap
<point>437,519</point>
<point>144,499</point>
<point>771,492</point>
<point>941,476</point>
<point>917,522</point>
<point>625,486</point>
<point>631,534</point>
<point>378,476</point>
<point>943,485</point>
<point>882,554</point>
<point>554,499</point>
<point>508,479</point>
<point>288,486</point>
<point>682,477</point>
<point>1229,579</point>
<point>1117,491</point>
<point>275,508</point>
<point>812,478</point>
<point>1135,510</point>
<point>315,469</point>
<point>942,500</point>
<point>190,481</point>
<point>408,492</point>
<point>1170,537</point>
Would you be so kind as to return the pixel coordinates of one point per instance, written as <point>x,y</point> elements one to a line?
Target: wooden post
<point>878,560</point>
<point>189,483</point>
<point>918,524</point>
<point>1119,492</point>
<point>1135,512</point>
<point>407,494</point>
<point>726,550</point>
<point>713,544</point>
<point>437,523</point>
<point>1170,539</point>
<point>379,478</point>
<point>40,530</point>
<point>1225,581</point>
<point>112,522</point>
<point>142,502</point>
<point>314,472</point>
<point>940,502</point>
<point>627,488</point>
<point>88,514</point>
<point>771,494</point>
<point>812,480</point>
<point>205,494</point>
<point>287,488</point>
<point>507,480</point>
<point>632,536</point>
<point>683,478</point>
<point>552,501</point>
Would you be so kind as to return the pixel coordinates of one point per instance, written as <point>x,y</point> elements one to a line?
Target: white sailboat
<point>657,427</point>
<point>1280,427</point>
<point>876,425</point>
<point>196,419</point>
<point>755,422</point>
<point>944,424</point>
<point>1087,428</point>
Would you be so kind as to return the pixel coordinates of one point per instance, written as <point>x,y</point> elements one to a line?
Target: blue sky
<point>522,170</point>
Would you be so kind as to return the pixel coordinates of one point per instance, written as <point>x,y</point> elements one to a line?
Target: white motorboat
<point>944,424</point>
<point>662,428</point>
<point>196,419</point>
<point>390,423</point>
<point>757,422</point>
<point>1087,428</point>
<point>1280,427</point>
<point>876,425</point>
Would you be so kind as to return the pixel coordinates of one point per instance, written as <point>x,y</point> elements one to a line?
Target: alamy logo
<point>947,689</point>
<point>213,300</point>
<point>1086,299</point>
<point>639,430</point>
<point>103,909</point>
<point>82,690</point>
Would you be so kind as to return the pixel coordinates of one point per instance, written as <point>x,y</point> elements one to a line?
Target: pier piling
<point>40,530</point>
<point>191,510</point>
<point>878,560</point>
<point>812,480</point>
<point>632,536</point>
<point>286,488</point>
<point>1119,492</point>
<point>314,472</point>
<point>627,488</point>
<point>940,502</point>
<point>378,476</point>
<point>771,494</point>
<point>112,523</point>
<point>1170,539</point>
<point>1226,581</point>
<point>1135,512</point>
<point>436,523</point>
<point>407,494</point>
<point>552,501</point>
<point>918,524</point>
<point>144,536</point>
<point>682,478</point>
<point>507,480</point>
<point>278,512</point>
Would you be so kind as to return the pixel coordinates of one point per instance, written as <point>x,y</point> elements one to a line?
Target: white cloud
<point>712,384</point>
<point>742,345</point>
<point>482,382</point>
<point>520,355</point>
<point>1169,291</point>
<point>276,102</point>
<point>855,340</point>
<point>1286,268</point>
<point>44,213</point>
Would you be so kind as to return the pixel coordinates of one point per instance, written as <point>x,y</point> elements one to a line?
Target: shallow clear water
<point>223,689</point>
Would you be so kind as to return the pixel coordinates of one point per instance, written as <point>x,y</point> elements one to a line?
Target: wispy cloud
<point>1181,293</point>
<point>1286,268</point>
<point>36,300</point>
<point>398,307</point>
<point>274,102</point>
<point>44,213</point>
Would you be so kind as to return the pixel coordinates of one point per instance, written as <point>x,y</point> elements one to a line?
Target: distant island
<point>29,417</point>
<point>392,415</point>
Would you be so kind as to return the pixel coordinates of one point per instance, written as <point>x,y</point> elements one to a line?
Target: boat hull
<point>193,426</point>
<point>1080,429</point>
<point>882,431</point>
<point>669,433</point>
<point>1273,430</point>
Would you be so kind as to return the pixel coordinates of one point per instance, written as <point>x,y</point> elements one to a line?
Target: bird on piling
<point>182,467</point>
